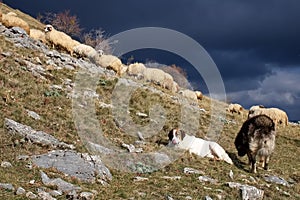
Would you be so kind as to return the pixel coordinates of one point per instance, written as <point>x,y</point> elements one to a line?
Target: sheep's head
<point>48,28</point>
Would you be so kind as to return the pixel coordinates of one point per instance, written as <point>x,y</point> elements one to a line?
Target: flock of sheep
<point>61,40</point>
<point>277,115</point>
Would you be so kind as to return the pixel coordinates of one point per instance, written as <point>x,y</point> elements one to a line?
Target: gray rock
<point>61,185</point>
<point>33,114</point>
<point>277,180</point>
<point>208,198</point>
<point>139,179</point>
<point>6,164</point>
<point>251,192</point>
<point>7,186</point>
<point>20,191</point>
<point>38,137</point>
<point>84,167</point>
<point>247,192</point>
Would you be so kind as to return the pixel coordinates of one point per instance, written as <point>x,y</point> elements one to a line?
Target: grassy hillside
<point>20,90</point>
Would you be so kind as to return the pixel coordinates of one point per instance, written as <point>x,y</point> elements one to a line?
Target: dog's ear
<point>182,134</point>
<point>171,135</point>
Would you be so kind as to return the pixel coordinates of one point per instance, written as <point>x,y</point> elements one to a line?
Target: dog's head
<point>176,136</point>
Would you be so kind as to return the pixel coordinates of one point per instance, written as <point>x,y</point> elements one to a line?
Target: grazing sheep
<point>136,69</point>
<point>199,95</point>
<point>277,115</point>
<point>188,94</point>
<point>84,50</point>
<point>159,77</point>
<point>256,138</point>
<point>11,20</point>
<point>110,62</point>
<point>235,108</point>
<point>37,35</point>
<point>60,39</point>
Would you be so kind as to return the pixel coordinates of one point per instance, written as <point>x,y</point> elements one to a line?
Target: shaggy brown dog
<point>256,138</point>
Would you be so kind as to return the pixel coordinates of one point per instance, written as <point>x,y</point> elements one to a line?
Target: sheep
<point>11,20</point>
<point>277,115</point>
<point>84,50</point>
<point>110,61</point>
<point>159,77</point>
<point>37,35</point>
<point>189,94</point>
<point>60,39</point>
<point>256,107</point>
<point>256,138</point>
<point>136,69</point>
<point>199,95</point>
<point>235,108</point>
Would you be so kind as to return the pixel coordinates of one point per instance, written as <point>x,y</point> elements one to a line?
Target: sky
<point>255,44</point>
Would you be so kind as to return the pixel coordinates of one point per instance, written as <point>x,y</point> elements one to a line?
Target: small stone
<point>32,182</point>
<point>6,164</point>
<point>207,179</point>
<point>55,193</point>
<point>33,114</point>
<point>45,196</point>
<point>139,178</point>
<point>231,174</point>
<point>208,198</point>
<point>31,195</point>
<point>188,170</point>
<point>86,196</point>
<point>173,178</point>
<point>20,191</point>
<point>141,114</point>
<point>277,180</point>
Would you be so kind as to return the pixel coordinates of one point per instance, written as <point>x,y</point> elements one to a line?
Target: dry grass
<point>20,90</point>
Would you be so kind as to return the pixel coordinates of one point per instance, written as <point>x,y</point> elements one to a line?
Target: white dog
<point>198,146</point>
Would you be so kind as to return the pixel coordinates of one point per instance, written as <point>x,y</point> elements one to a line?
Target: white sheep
<point>277,115</point>
<point>84,50</point>
<point>199,95</point>
<point>110,61</point>
<point>189,94</point>
<point>159,77</point>
<point>235,108</point>
<point>37,35</point>
<point>256,107</point>
<point>11,20</point>
<point>60,39</point>
<point>136,69</point>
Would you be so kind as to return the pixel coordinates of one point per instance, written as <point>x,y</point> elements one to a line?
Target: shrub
<point>97,39</point>
<point>62,21</point>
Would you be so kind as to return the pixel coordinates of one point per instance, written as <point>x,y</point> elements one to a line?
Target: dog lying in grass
<point>198,146</point>
<point>256,138</point>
